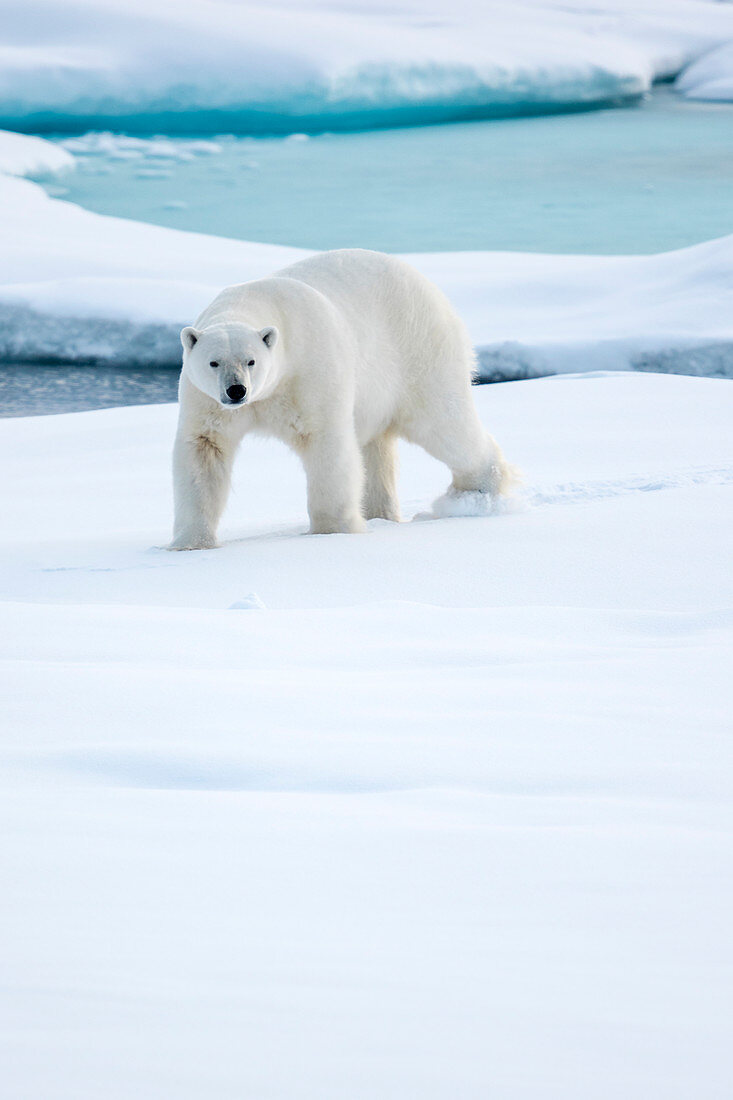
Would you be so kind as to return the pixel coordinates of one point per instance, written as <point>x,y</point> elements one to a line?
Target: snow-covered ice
<point>710,77</point>
<point>156,66</point>
<point>24,155</point>
<point>441,810</point>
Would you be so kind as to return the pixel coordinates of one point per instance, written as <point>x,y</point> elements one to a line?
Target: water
<point>639,179</point>
<point>40,389</point>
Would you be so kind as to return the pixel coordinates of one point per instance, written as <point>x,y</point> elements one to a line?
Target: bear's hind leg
<point>380,485</point>
<point>480,472</point>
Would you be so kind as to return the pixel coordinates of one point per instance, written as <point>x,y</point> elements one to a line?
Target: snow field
<point>444,811</point>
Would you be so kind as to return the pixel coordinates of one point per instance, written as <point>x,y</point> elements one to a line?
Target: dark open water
<point>36,390</point>
<point>30,390</point>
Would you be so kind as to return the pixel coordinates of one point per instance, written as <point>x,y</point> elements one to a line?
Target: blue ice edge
<point>373,98</point>
<point>250,122</point>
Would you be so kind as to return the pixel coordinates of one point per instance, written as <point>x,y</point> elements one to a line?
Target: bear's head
<point>232,363</point>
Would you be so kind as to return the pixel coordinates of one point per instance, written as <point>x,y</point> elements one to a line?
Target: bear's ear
<point>269,335</point>
<point>189,336</point>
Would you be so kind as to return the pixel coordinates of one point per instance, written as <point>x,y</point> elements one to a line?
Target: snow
<point>710,77</point>
<point>439,810</point>
<point>81,287</point>
<point>23,155</point>
<point>310,65</point>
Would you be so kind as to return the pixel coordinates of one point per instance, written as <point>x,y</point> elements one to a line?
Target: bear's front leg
<point>335,473</point>
<point>202,466</point>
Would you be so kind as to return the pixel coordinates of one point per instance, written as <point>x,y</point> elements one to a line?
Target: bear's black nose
<point>236,393</point>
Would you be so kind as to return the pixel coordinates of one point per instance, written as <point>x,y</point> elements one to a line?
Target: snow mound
<point>710,77</point>
<point>22,155</point>
<point>202,67</point>
<point>250,602</point>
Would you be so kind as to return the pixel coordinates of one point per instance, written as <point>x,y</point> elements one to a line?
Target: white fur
<point>340,355</point>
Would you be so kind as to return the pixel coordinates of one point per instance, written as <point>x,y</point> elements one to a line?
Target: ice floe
<point>200,67</point>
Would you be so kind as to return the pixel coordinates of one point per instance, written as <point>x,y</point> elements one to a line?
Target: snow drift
<point>219,67</point>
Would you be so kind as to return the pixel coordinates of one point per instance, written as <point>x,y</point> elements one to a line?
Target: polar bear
<point>338,355</point>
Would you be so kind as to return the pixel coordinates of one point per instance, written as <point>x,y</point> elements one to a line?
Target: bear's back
<point>358,276</point>
<point>390,307</point>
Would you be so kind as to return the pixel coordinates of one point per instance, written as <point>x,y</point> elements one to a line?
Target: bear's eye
<point>213,364</point>
<point>250,362</point>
